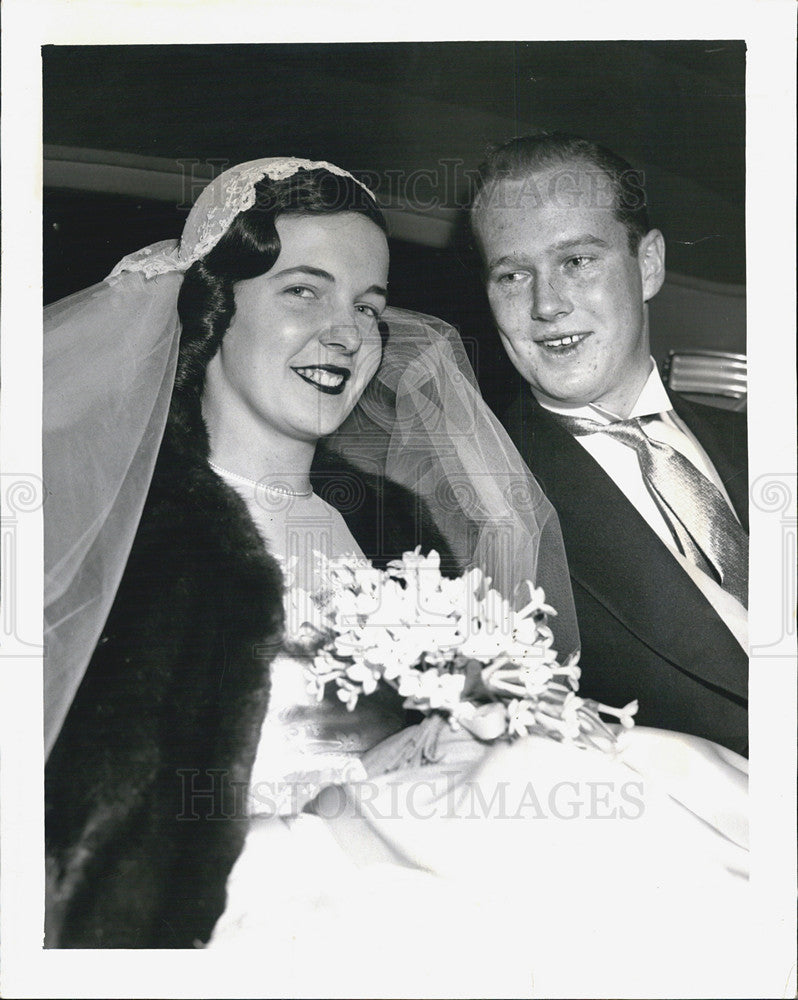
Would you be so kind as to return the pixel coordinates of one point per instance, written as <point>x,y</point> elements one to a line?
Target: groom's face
<point>567,293</point>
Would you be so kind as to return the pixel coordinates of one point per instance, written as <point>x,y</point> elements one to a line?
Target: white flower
<point>411,561</point>
<point>551,723</point>
<point>429,689</point>
<point>569,714</point>
<point>409,685</point>
<point>520,717</point>
<point>527,678</point>
<point>537,602</point>
<point>348,695</point>
<point>486,722</point>
<point>358,673</point>
<point>624,715</point>
<point>315,687</point>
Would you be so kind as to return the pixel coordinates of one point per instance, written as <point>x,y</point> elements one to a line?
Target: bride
<point>191,390</point>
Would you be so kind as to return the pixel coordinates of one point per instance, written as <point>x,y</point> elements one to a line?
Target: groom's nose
<point>549,300</point>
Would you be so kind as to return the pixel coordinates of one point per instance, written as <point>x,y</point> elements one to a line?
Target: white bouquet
<point>451,647</point>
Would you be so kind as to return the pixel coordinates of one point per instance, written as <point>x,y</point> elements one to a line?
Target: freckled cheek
<point>518,349</point>
<point>590,301</point>
<point>510,316</point>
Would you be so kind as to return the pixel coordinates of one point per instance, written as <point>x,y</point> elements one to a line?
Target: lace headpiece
<point>213,212</point>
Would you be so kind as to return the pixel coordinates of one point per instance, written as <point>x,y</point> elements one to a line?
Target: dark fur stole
<point>145,785</point>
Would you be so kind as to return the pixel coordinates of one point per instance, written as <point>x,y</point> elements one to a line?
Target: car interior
<point>132,133</point>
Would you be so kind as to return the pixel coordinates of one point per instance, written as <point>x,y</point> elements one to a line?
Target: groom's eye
<point>509,278</point>
<point>579,262</point>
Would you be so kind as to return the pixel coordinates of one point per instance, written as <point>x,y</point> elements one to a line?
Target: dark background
<point>676,110</point>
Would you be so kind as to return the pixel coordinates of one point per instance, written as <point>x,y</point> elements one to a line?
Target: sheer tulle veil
<point>110,353</point>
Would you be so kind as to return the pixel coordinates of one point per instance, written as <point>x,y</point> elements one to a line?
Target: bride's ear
<point>651,259</point>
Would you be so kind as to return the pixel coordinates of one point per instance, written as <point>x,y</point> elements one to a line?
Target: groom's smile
<point>563,344</point>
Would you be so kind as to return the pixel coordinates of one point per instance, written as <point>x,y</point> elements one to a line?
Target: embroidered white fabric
<point>219,203</point>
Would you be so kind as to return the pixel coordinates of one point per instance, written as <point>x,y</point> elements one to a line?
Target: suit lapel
<point>610,547</point>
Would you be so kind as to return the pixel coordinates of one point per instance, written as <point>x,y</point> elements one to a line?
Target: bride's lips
<point>564,343</point>
<point>326,378</point>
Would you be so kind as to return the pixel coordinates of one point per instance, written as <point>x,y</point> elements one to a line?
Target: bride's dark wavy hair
<point>248,249</point>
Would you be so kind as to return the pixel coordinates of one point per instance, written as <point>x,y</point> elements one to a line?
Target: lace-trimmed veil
<point>110,353</point>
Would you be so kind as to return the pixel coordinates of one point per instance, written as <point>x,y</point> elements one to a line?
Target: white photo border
<point>768,27</point>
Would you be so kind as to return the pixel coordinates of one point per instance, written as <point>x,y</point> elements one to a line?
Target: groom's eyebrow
<point>585,240</point>
<point>562,246</point>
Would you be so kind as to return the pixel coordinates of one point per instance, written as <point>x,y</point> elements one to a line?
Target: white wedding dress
<point>531,869</point>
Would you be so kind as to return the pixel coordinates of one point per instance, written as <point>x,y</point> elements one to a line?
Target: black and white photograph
<point>399,502</point>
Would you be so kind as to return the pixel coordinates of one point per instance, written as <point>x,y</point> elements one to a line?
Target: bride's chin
<point>321,431</point>
<point>330,422</point>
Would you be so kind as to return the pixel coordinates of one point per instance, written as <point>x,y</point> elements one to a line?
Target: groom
<point>651,490</point>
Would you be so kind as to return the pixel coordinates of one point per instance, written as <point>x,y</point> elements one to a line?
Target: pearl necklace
<point>261,485</point>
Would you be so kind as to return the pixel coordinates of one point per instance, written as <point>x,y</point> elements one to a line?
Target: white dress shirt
<point>621,464</point>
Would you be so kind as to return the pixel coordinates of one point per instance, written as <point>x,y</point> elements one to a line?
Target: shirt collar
<point>653,399</point>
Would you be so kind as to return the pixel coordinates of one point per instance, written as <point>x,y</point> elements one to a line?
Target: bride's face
<point>304,341</point>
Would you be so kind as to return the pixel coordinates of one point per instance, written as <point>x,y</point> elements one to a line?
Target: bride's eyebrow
<point>313,272</point>
<point>317,272</point>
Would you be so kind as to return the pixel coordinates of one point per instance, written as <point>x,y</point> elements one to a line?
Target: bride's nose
<point>342,333</point>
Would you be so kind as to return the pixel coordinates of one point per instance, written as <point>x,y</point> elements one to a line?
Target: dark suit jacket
<point>647,630</point>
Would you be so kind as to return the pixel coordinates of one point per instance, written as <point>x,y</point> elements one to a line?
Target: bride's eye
<point>371,311</point>
<point>301,292</point>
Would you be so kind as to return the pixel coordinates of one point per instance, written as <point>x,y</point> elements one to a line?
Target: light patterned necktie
<point>704,528</point>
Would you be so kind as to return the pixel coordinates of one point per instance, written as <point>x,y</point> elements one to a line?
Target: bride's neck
<point>243,443</point>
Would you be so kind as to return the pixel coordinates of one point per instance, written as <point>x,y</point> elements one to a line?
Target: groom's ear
<point>651,260</point>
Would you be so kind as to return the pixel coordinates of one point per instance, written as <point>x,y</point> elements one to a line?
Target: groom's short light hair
<point>529,154</point>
